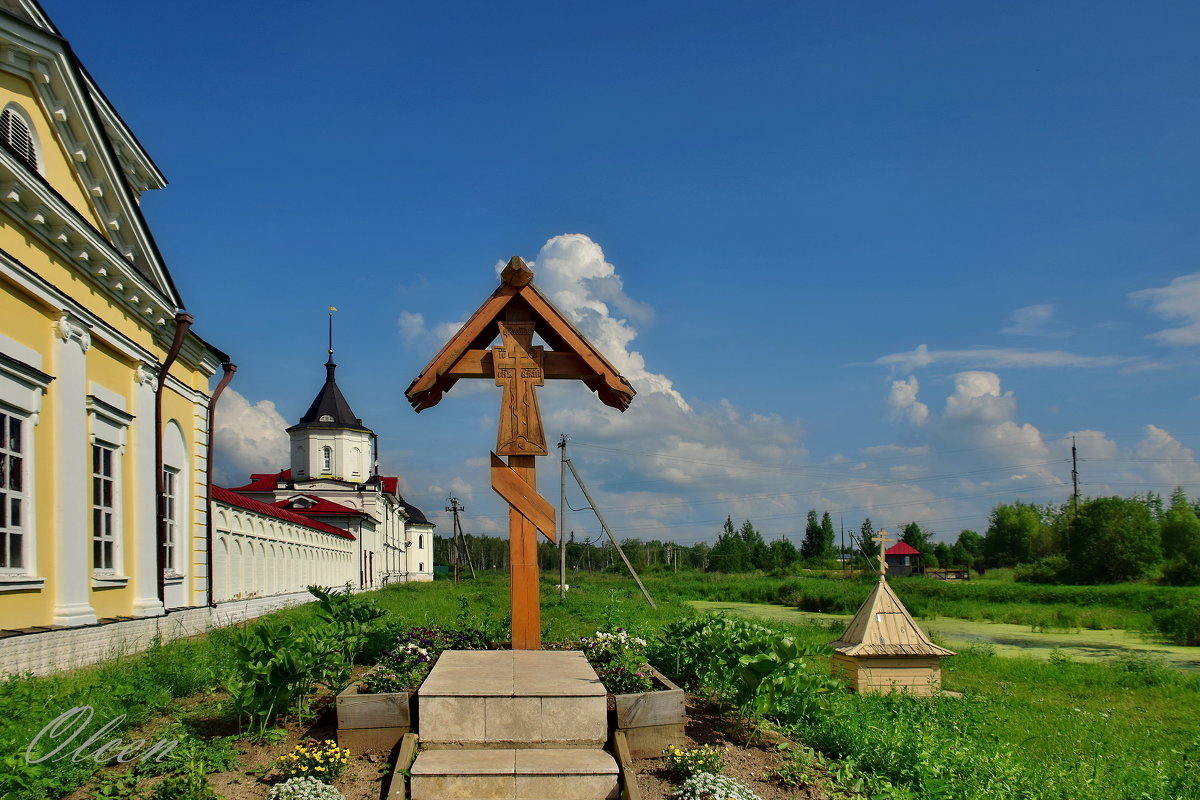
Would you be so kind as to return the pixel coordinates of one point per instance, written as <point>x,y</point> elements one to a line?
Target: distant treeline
<point>1102,540</point>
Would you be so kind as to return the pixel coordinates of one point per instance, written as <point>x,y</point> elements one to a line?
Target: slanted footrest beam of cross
<point>514,313</point>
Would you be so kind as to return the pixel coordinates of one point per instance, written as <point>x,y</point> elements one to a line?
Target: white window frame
<point>171,481</point>
<point>326,460</point>
<point>14,499</point>
<point>105,530</point>
<point>22,386</point>
<point>109,428</point>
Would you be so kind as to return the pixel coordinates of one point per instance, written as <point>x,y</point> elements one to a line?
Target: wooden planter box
<point>650,720</point>
<point>373,721</point>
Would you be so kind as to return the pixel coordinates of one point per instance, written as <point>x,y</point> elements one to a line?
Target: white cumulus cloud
<point>1178,300</point>
<point>247,438</point>
<point>903,401</point>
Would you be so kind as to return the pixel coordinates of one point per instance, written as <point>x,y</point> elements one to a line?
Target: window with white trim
<point>109,428</point>
<point>16,134</point>
<point>22,387</point>
<point>104,530</point>
<point>13,500</point>
<point>170,487</point>
<point>326,460</point>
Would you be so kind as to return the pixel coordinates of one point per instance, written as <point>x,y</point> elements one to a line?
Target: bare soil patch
<point>754,762</point>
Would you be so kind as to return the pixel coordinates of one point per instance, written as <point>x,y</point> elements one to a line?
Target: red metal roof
<point>902,549</point>
<point>265,483</point>
<point>390,485</point>
<point>230,497</point>
<point>320,507</point>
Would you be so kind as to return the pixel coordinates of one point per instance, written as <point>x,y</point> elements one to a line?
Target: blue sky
<point>874,258</point>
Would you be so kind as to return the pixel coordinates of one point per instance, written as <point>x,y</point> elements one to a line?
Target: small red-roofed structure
<point>903,560</point>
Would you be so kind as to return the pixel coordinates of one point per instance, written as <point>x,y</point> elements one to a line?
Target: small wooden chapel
<point>883,650</point>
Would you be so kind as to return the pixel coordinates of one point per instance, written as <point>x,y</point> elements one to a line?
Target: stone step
<point>555,774</point>
<point>512,699</point>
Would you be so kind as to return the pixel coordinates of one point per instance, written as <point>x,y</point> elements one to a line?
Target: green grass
<point>1016,733</point>
<point>1121,606</point>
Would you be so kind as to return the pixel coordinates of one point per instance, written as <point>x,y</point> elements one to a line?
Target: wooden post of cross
<point>514,313</point>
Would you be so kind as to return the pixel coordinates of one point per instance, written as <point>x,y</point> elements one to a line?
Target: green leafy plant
<point>274,668</point>
<point>184,786</point>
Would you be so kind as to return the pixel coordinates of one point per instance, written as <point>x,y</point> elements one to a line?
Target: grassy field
<point>1058,729</point>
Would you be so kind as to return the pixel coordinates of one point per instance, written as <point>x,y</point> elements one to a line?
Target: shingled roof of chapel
<point>883,627</point>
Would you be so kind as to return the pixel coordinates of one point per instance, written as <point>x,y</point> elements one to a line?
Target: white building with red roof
<point>329,518</point>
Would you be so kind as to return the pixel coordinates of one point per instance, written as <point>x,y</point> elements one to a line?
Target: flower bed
<point>376,711</point>
<point>645,705</point>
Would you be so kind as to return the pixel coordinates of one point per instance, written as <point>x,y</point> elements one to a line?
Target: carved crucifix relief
<point>518,366</point>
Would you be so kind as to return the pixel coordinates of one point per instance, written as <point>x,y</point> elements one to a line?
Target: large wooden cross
<point>514,313</point>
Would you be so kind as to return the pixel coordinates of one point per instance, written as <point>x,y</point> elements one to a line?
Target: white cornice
<point>77,111</point>
<point>42,212</point>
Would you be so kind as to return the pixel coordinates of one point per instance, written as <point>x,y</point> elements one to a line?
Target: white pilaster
<point>145,525</point>
<point>72,468</point>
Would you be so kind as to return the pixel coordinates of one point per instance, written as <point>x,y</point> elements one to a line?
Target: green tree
<point>916,538</point>
<point>945,556</point>
<point>756,548</point>
<point>783,554</point>
<point>868,551</point>
<point>1180,535</point>
<point>1010,534</point>
<point>810,548</point>
<point>729,553</point>
<point>971,544</point>
<point>828,536</point>
<point>1115,539</point>
<point>1180,527</point>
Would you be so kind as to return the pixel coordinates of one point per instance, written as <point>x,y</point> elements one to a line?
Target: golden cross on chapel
<point>883,540</point>
<point>515,312</point>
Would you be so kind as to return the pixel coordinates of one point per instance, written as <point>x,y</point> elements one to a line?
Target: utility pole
<point>562,517</point>
<point>1074,492</point>
<point>460,541</point>
<point>842,522</point>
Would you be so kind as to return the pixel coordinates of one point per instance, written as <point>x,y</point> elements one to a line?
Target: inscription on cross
<point>884,540</point>
<point>518,366</point>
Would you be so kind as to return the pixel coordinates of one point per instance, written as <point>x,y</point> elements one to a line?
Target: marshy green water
<point>1008,640</point>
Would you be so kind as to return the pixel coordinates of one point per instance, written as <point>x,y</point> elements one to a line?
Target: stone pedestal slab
<point>512,699</point>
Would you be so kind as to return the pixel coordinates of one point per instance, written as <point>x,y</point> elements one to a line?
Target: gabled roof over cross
<point>466,354</point>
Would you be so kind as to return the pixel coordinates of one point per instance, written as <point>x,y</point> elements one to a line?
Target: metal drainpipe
<point>183,321</point>
<point>208,519</point>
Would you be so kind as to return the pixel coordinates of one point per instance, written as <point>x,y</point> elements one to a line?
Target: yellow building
<point>89,316</point>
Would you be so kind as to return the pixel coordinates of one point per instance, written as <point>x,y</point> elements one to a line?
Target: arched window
<point>327,459</point>
<point>17,136</point>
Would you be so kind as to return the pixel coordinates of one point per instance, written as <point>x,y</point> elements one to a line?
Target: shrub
<point>1053,570</point>
<point>684,764</point>
<point>185,786</point>
<point>304,788</point>
<point>1179,623</point>
<point>323,760</point>
<point>707,786</point>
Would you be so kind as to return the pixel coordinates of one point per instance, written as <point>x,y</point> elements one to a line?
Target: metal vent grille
<point>15,136</point>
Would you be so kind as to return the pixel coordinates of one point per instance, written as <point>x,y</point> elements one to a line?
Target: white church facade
<point>329,518</point>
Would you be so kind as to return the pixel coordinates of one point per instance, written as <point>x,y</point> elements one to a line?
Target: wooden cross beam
<point>514,313</point>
